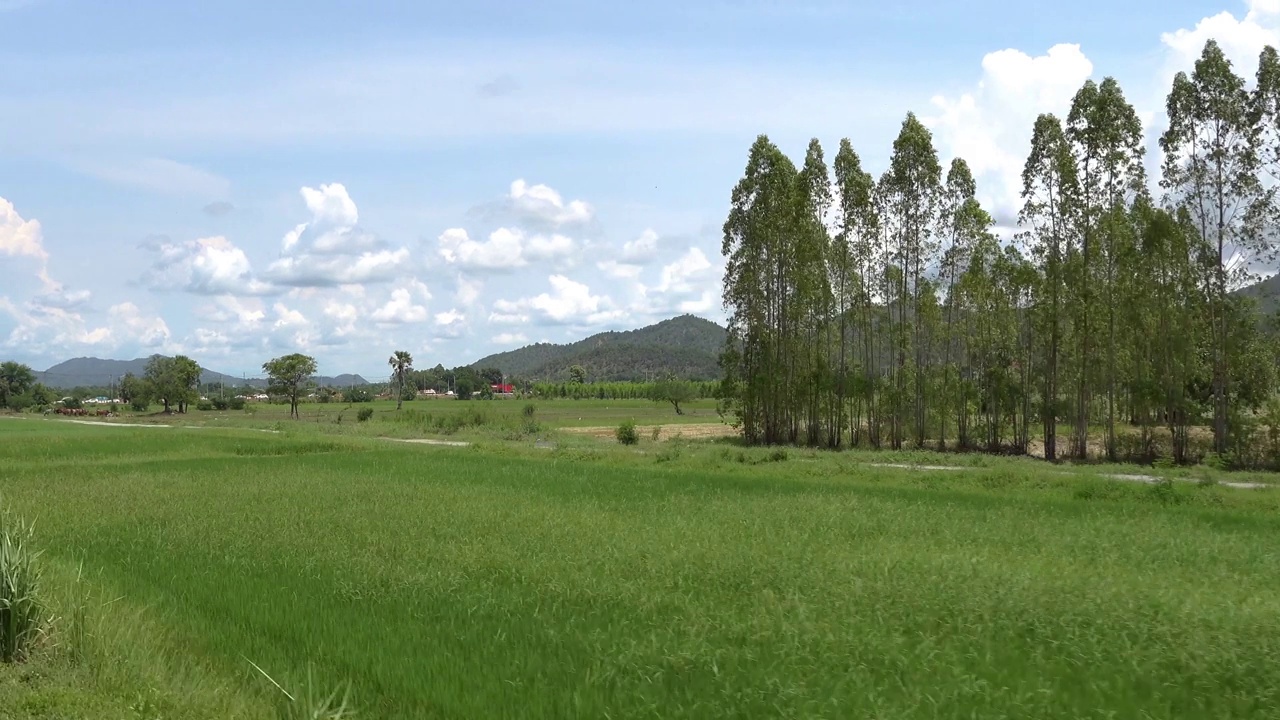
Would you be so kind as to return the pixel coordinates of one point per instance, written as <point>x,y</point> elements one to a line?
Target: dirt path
<point>689,431</point>
<point>1123,477</point>
<point>428,441</point>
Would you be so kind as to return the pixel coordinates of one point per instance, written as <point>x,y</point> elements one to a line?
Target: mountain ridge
<point>100,372</point>
<point>686,345</point>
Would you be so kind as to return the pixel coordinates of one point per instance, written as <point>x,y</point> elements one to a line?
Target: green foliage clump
<point>220,403</point>
<point>364,414</point>
<point>139,404</point>
<point>21,610</point>
<point>627,433</point>
<point>204,405</point>
<point>356,395</point>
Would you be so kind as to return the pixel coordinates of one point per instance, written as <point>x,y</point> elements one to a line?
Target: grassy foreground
<point>681,580</point>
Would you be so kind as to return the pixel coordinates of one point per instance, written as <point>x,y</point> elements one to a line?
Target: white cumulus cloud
<point>404,306</point>
<point>468,291</point>
<point>47,330</point>
<point>331,249</point>
<point>691,272</point>
<point>1241,39</point>
<point>990,125</point>
<point>543,203</point>
<point>22,238</point>
<point>450,323</point>
<point>503,250</point>
<point>205,266</point>
<point>509,339</point>
<point>642,249</point>
<point>569,303</point>
<point>506,249</point>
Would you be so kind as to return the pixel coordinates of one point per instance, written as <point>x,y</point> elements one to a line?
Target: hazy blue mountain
<point>94,372</point>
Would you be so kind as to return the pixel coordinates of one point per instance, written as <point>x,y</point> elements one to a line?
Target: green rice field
<point>577,578</point>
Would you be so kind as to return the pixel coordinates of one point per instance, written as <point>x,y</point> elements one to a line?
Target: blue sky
<point>237,180</point>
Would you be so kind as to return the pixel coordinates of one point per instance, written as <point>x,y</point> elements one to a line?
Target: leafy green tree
<point>172,380</point>
<point>289,375</point>
<point>1211,169</point>
<point>136,391</point>
<point>853,270</point>
<point>577,375</point>
<point>1050,195</point>
<point>912,189</point>
<point>1106,135</point>
<point>188,372</point>
<point>464,387</point>
<point>401,363</point>
<point>759,385</point>
<point>963,220</point>
<point>813,300</point>
<point>15,379</point>
<point>674,391</point>
<point>493,376</point>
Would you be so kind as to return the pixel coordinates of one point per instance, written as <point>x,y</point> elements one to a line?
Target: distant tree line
<point>887,312</point>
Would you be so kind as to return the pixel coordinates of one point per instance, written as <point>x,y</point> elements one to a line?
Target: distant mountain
<point>687,346</point>
<point>97,372</point>
<point>1267,294</point>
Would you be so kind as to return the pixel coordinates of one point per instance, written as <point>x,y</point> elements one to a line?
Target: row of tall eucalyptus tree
<point>892,311</point>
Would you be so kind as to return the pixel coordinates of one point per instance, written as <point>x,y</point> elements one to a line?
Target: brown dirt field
<point>690,431</point>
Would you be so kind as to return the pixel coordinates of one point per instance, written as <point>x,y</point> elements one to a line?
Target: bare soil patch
<point>690,431</point>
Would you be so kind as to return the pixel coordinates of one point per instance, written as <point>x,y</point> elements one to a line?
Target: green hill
<point>99,372</point>
<point>687,346</point>
<point>1267,293</point>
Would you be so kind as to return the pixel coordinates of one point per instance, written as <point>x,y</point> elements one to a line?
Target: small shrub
<point>114,408</point>
<point>364,414</point>
<point>205,405</point>
<point>778,455</point>
<point>72,403</point>
<point>236,403</point>
<point>20,607</point>
<point>528,411</point>
<point>221,404</point>
<point>139,405</point>
<point>1164,493</point>
<point>627,434</point>
<point>667,454</point>
<point>656,433</point>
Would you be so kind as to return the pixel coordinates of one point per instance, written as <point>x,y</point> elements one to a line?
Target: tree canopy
<point>401,363</point>
<point>289,375</point>
<point>172,380</point>
<point>15,379</point>
<point>892,312</point>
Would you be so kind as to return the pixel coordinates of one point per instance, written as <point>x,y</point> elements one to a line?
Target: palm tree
<point>401,363</point>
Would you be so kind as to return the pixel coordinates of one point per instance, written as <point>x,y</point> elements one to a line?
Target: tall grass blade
<point>20,607</point>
